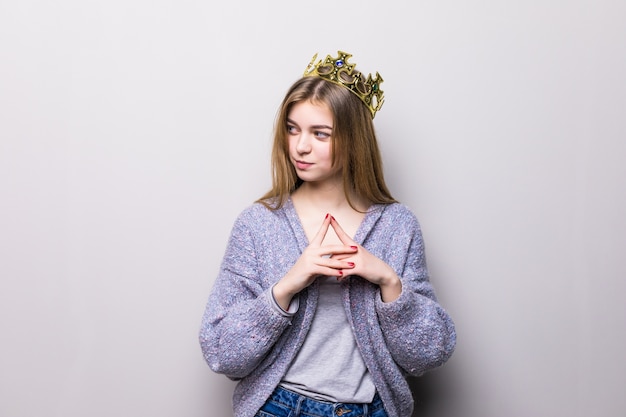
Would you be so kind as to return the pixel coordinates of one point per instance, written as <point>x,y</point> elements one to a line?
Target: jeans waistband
<point>307,406</point>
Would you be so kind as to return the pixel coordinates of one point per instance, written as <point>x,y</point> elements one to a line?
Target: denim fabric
<point>285,403</point>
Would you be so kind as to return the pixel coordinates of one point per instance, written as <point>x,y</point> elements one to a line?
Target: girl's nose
<point>304,144</point>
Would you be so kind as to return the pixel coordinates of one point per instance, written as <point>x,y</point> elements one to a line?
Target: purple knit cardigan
<point>243,337</point>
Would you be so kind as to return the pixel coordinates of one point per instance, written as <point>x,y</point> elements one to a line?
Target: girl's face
<point>310,128</point>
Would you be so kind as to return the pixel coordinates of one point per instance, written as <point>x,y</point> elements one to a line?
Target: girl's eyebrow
<point>313,127</point>
<point>322,127</point>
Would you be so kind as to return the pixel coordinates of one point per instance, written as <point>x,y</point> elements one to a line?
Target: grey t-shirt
<point>329,366</point>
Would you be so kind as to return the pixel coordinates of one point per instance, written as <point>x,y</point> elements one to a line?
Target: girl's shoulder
<point>396,212</point>
<point>395,219</point>
<point>260,215</point>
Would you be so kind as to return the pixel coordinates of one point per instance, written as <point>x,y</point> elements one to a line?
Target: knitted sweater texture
<point>245,338</point>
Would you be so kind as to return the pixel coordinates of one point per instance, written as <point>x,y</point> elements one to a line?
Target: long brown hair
<point>354,144</point>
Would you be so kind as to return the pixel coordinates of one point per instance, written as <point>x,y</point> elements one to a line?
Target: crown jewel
<point>339,71</point>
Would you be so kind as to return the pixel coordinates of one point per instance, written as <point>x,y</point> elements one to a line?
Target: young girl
<point>323,303</point>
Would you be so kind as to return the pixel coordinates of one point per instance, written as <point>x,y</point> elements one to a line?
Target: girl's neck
<point>329,197</point>
<point>313,201</point>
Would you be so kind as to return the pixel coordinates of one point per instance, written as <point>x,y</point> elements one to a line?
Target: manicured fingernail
<point>340,272</point>
<point>332,217</point>
<point>326,216</point>
<point>351,263</point>
<point>354,247</point>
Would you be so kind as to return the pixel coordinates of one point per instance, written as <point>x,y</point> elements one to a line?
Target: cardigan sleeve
<point>418,332</point>
<point>239,325</point>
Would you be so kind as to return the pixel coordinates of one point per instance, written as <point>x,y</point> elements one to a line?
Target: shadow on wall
<point>432,395</point>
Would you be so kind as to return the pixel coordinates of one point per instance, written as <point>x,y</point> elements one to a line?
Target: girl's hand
<point>315,260</point>
<point>368,266</point>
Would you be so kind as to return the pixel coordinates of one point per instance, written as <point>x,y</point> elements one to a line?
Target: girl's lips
<point>302,164</point>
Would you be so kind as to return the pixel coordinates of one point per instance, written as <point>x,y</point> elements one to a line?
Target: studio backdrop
<point>132,133</point>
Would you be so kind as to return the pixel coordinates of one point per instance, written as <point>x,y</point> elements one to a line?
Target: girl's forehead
<point>311,112</point>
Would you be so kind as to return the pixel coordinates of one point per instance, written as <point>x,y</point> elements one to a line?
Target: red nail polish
<point>340,272</point>
<point>354,247</point>
<point>351,263</point>
<point>326,216</point>
<point>333,217</point>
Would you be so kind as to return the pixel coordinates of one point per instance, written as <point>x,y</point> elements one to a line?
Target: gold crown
<point>339,71</point>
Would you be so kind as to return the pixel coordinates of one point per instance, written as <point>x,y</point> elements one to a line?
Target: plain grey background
<point>133,132</point>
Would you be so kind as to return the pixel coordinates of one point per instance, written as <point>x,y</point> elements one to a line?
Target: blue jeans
<point>285,403</point>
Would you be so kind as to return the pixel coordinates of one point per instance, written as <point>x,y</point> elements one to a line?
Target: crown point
<point>337,70</point>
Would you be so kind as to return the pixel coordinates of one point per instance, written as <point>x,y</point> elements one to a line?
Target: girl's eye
<point>322,135</point>
<point>291,129</point>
